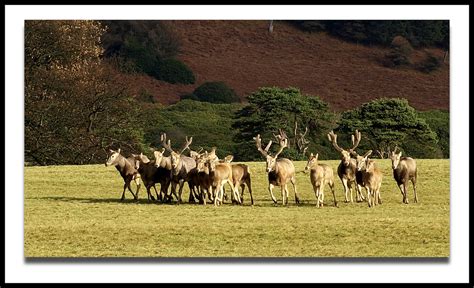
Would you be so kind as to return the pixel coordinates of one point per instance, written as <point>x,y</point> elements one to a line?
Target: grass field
<point>75,211</point>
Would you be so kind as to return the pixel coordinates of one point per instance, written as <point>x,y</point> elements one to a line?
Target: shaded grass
<point>75,211</point>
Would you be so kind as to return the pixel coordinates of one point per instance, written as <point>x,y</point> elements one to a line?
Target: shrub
<point>174,71</point>
<point>215,92</point>
<point>429,64</point>
<point>399,53</point>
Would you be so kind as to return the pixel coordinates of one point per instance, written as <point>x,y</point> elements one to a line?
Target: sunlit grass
<point>75,211</point>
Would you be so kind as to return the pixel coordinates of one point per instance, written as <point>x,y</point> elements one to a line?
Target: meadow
<point>75,211</point>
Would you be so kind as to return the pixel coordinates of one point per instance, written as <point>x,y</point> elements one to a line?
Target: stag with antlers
<point>181,167</point>
<point>347,168</point>
<point>280,170</point>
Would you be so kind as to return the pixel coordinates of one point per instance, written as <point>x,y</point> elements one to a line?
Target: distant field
<point>75,211</point>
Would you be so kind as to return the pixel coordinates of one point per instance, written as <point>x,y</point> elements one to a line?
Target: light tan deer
<point>220,174</point>
<point>404,170</point>
<point>240,178</point>
<point>280,170</point>
<point>371,178</point>
<point>320,175</point>
<point>347,168</point>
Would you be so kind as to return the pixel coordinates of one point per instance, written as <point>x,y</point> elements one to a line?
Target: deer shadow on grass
<point>106,200</point>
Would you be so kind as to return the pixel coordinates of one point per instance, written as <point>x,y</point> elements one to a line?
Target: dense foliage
<point>273,108</point>
<point>386,123</point>
<point>213,92</point>
<point>75,106</point>
<point>419,32</point>
<point>439,123</point>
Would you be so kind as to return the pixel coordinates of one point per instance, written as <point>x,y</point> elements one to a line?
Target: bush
<point>399,53</point>
<point>439,123</point>
<point>174,71</point>
<point>214,92</point>
<point>429,64</point>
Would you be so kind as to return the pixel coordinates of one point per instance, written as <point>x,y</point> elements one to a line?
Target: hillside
<point>246,56</point>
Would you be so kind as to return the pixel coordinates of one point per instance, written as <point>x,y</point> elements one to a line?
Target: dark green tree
<point>386,123</point>
<point>270,109</point>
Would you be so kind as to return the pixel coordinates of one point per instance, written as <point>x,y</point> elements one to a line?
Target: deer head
<point>158,156</point>
<point>345,154</point>
<point>361,161</point>
<point>113,158</point>
<point>271,160</point>
<point>312,161</point>
<point>175,156</point>
<point>395,157</point>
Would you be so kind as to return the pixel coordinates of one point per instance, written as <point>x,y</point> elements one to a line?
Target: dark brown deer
<point>320,175</point>
<point>165,162</point>
<point>347,168</point>
<point>181,166</point>
<point>404,170</point>
<point>280,170</point>
<point>151,174</point>
<point>127,171</point>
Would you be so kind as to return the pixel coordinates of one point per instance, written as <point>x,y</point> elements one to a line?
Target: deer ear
<point>316,156</point>
<point>400,154</point>
<point>111,151</point>
<point>163,150</point>
<point>141,154</point>
<point>310,155</point>
<point>367,154</point>
<point>118,151</point>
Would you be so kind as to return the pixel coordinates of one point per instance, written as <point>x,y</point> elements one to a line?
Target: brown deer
<point>240,177</point>
<point>371,178</point>
<point>320,175</point>
<point>280,170</point>
<point>127,171</point>
<point>164,162</point>
<point>221,173</point>
<point>404,170</point>
<point>151,174</point>
<point>181,166</point>
<point>347,167</point>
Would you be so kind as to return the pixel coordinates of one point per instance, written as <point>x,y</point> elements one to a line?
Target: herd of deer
<point>206,174</point>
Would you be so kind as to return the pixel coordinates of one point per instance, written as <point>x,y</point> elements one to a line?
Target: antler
<point>166,145</point>
<point>283,145</point>
<point>258,142</point>
<point>333,138</point>
<point>355,140</point>
<point>186,145</point>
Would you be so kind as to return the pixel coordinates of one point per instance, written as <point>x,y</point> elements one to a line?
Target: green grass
<point>74,211</point>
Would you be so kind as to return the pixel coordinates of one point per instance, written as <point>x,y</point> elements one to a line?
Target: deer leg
<point>405,192</point>
<point>235,191</point>
<point>283,194</point>
<point>369,199</point>
<point>137,182</point>
<point>181,186</point>
<point>130,189</point>
<point>123,194</point>
<point>270,188</point>
<point>331,184</point>
<point>250,190</point>
<point>293,182</point>
<point>191,193</point>
<point>316,194</point>
<point>413,181</point>
<point>346,189</point>
<point>321,194</point>
<point>378,195</point>
<point>242,188</point>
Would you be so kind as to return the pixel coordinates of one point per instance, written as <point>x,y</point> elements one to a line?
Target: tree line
<point>77,107</point>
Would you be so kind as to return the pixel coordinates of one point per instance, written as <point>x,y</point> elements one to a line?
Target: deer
<point>404,170</point>
<point>127,171</point>
<point>151,174</point>
<point>347,167</point>
<point>371,178</point>
<point>181,166</point>
<point>280,170</point>
<point>320,175</point>
<point>240,177</point>
<point>164,162</point>
<point>221,173</point>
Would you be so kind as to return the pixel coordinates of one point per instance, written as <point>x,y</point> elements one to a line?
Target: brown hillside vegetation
<point>246,56</point>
